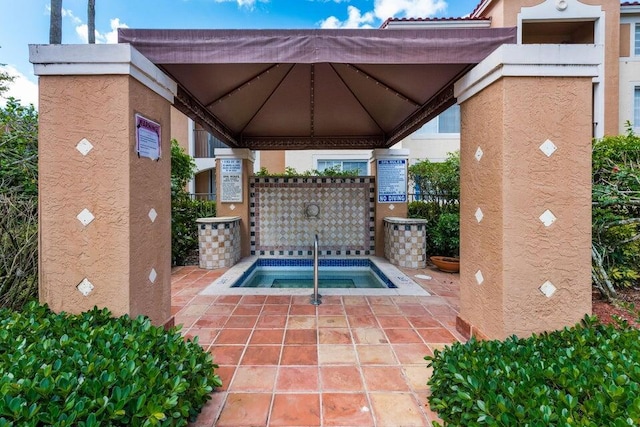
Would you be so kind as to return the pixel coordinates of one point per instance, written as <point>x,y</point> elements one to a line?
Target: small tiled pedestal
<point>219,241</point>
<point>405,241</point>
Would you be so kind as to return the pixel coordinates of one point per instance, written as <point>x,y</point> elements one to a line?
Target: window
<point>636,48</point>
<point>344,165</point>
<point>636,108</point>
<point>446,123</point>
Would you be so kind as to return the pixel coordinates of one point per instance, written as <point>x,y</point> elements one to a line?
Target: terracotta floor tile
<point>195,309</point>
<point>413,310</point>
<point>233,336</point>
<point>336,354</point>
<point>254,378</point>
<point>303,310</point>
<point>226,354</point>
<point>358,310</point>
<point>261,355</point>
<point>278,299</point>
<point>205,336</point>
<point>301,336</point>
<point>185,320</point>
<point>385,310</point>
<point>301,322</point>
<point>241,322</point>
<point>220,309</point>
<point>384,378</point>
<point>212,321</point>
<point>334,336</point>
<point>346,409</point>
<point>253,299</point>
<point>282,310</point>
<point>210,411</point>
<point>270,321</point>
<point>266,336</point>
<point>332,321</point>
<point>397,409</point>
<point>376,355</point>
<point>297,378</point>
<point>340,378</point>
<point>426,321</point>
<point>412,354</point>
<point>390,322</point>
<point>228,299</point>
<point>226,373</point>
<point>330,310</point>
<point>245,409</point>
<point>354,300</point>
<point>369,336</point>
<point>299,355</point>
<point>247,310</point>
<point>437,335</point>
<point>417,377</point>
<point>379,300</point>
<point>362,321</point>
<point>402,336</point>
<point>295,410</point>
<point>331,300</point>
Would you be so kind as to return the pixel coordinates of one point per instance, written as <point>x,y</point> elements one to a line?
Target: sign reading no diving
<point>392,180</point>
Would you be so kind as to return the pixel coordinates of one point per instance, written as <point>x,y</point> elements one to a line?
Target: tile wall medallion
<point>548,148</point>
<point>548,289</point>
<point>548,218</point>
<point>153,275</point>
<point>391,207</point>
<point>479,154</point>
<point>85,287</point>
<point>479,215</point>
<point>479,277</point>
<point>84,146</point>
<point>232,207</point>
<point>153,215</point>
<point>85,217</point>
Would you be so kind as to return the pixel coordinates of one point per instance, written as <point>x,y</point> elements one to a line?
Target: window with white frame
<point>636,48</point>
<point>344,165</point>
<point>446,123</point>
<point>636,109</point>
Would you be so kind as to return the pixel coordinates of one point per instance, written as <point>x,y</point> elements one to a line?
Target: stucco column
<point>234,168</point>
<point>525,216</point>
<point>104,212</point>
<point>390,170</point>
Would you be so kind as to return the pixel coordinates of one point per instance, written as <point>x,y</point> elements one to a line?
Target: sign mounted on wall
<point>392,180</point>
<point>148,138</point>
<point>231,176</point>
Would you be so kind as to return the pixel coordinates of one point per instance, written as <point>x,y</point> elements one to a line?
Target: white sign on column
<point>231,176</point>
<point>392,180</point>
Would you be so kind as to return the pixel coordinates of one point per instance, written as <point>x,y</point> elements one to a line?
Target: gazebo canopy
<point>304,89</point>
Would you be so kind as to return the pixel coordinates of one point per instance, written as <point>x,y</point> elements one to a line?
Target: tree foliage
<point>616,212</point>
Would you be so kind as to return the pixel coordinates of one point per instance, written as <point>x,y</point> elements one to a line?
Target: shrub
<point>584,376</point>
<point>92,369</point>
<point>184,231</point>
<point>446,235</point>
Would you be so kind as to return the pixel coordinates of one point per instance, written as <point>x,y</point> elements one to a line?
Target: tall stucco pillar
<point>104,211</point>
<point>234,169</point>
<point>390,170</point>
<point>526,189</point>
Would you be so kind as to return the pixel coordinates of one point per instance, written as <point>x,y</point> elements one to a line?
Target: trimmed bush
<point>92,369</point>
<point>584,376</point>
<point>184,230</point>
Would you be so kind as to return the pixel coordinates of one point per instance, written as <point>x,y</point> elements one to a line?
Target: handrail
<point>316,297</point>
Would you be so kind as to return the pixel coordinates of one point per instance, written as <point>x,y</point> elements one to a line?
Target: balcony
<point>205,144</point>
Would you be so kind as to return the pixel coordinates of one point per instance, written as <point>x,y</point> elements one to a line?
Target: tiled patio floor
<point>352,361</point>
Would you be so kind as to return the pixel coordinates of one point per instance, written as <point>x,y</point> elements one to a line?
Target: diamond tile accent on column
<point>479,277</point>
<point>548,148</point>
<point>548,289</point>
<point>479,215</point>
<point>479,154</point>
<point>84,146</point>
<point>232,207</point>
<point>85,217</point>
<point>153,215</point>
<point>391,207</point>
<point>548,218</point>
<point>85,287</point>
<point>153,275</point>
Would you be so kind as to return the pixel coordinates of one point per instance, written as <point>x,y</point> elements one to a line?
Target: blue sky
<point>24,22</point>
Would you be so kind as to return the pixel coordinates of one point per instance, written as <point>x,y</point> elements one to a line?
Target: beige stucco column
<point>391,199</point>
<point>234,168</point>
<point>526,189</point>
<point>104,212</point>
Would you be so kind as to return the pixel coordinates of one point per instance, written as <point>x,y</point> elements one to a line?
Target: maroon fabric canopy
<point>302,89</point>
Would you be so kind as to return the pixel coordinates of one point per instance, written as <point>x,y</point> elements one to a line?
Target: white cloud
<point>249,4</point>
<point>384,9</point>
<point>109,37</point>
<point>67,13</point>
<point>355,19</point>
<point>21,88</point>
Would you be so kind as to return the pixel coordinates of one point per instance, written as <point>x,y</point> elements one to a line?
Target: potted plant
<point>446,241</point>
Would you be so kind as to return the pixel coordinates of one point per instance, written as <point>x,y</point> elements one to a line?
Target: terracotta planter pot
<point>446,264</point>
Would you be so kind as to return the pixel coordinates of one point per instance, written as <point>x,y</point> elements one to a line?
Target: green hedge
<point>92,369</point>
<point>588,375</point>
<point>184,230</point>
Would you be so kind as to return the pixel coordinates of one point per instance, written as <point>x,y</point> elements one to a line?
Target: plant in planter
<point>446,242</point>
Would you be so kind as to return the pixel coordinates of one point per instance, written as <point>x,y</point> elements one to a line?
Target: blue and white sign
<point>231,177</point>
<point>392,180</point>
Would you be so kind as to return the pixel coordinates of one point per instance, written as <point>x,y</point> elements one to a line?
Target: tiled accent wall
<point>286,213</point>
<point>404,242</point>
<point>219,244</point>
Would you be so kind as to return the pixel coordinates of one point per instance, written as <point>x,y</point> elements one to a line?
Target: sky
<point>24,22</point>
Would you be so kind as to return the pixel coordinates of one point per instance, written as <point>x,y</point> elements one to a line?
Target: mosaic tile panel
<point>404,244</point>
<point>219,244</point>
<point>286,213</point>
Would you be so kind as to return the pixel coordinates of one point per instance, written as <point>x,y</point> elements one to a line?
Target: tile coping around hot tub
<point>404,285</point>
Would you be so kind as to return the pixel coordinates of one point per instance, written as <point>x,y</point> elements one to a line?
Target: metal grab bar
<point>316,297</point>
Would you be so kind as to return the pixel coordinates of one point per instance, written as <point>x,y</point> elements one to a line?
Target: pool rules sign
<point>231,176</point>
<point>392,180</point>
